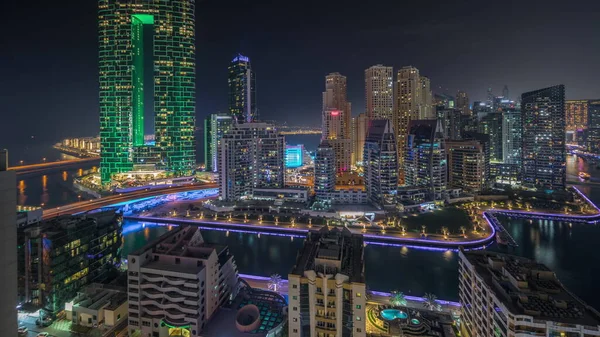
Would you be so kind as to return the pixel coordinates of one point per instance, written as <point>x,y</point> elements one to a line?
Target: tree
<point>430,301</point>
<point>463,229</point>
<point>274,282</point>
<point>397,299</point>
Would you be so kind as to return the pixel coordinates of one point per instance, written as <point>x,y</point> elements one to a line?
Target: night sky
<point>48,85</point>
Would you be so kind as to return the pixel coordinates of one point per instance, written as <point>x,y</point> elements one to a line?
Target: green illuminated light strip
<point>137,41</point>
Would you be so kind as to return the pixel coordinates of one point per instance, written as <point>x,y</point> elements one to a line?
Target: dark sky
<point>48,84</point>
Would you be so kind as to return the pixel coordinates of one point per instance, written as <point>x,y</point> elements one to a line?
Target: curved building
<point>146,50</point>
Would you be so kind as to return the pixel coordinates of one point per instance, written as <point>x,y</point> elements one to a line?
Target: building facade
<point>381,164</point>
<point>503,295</point>
<point>124,50</point>
<point>65,254</point>
<point>466,165</point>
<point>8,239</point>
<point>336,122</point>
<point>360,124</point>
<point>544,152</point>
<point>576,118</point>
<point>592,134</point>
<point>451,122</point>
<point>511,136</point>
<point>425,162</point>
<point>242,90</point>
<point>215,126</point>
<point>491,125</point>
<point>379,92</point>
<point>325,169</point>
<point>462,103</point>
<point>177,283</point>
<point>251,155</point>
<point>327,292</point>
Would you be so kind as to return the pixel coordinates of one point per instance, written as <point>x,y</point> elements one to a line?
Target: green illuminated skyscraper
<point>132,32</point>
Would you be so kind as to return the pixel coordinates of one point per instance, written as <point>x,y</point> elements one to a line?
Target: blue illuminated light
<point>241,58</point>
<point>293,155</point>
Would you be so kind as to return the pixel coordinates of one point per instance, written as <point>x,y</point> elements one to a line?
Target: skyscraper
<point>325,167</point>
<point>425,162</point>
<point>544,152</point>
<point>491,124</point>
<point>125,51</point>
<point>242,90</point>
<point>408,97</point>
<point>381,164</point>
<point>359,133</point>
<point>336,119</point>
<point>452,120</point>
<point>462,103</point>
<point>511,136</point>
<point>505,92</point>
<point>379,92</point>
<point>8,235</point>
<point>592,134</point>
<point>576,112</point>
<point>426,110</point>
<point>251,155</point>
<point>215,126</point>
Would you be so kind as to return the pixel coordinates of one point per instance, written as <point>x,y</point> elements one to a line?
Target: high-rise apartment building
<point>511,136</point>
<point>137,39</point>
<point>337,120</point>
<point>360,124</point>
<point>413,100</point>
<point>576,118</point>
<point>379,92</point>
<point>491,124</point>
<point>592,134</point>
<point>8,239</point>
<point>242,90</point>
<point>381,164</point>
<point>325,169</point>
<point>505,92</point>
<point>251,155</point>
<point>326,287</point>
<point>452,120</point>
<point>215,126</point>
<point>544,152</point>
<point>504,295</point>
<point>466,165</point>
<point>426,109</point>
<point>462,103</point>
<point>177,283</point>
<point>425,162</point>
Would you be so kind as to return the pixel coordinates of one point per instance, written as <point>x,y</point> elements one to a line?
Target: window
<point>156,257</point>
<point>358,318</point>
<point>295,309</point>
<point>295,319</point>
<point>357,294</point>
<point>295,330</point>
<point>118,317</point>
<point>358,330</point>
<point>177,260</point>
<point>358,306</point>
<point>295,297</point>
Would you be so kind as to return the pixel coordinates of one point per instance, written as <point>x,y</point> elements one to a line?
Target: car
<point>43,334</point>
<point>23,330</point>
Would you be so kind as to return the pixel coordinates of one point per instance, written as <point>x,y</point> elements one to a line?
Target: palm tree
<point>430,301</point>
<point>445,231</point>
<point>274,283</point>
<point>423,228</point>
<point>397,299</point>
<point>463,229</point>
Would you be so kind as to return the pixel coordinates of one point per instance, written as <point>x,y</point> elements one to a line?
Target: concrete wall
<point>8,252</point>
<point>112,318</point>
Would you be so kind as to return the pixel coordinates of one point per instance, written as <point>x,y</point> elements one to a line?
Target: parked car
<point>23,330</point>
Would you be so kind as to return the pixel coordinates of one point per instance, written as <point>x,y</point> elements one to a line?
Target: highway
<point>46,167</point>
<point>88,205</point>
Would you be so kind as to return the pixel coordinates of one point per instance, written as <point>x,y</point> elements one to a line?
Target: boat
<point>584,175</point>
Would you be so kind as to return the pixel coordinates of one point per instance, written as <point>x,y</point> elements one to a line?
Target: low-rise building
<point>503,295</point>
<point>98,304</point>
<point>177,283</point>
<point>326,287</point>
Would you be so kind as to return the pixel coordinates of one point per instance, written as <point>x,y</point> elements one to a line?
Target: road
<point>44,167</point>
<point>89,205</point>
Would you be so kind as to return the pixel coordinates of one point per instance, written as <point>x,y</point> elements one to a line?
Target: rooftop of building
<point>98,296</point>
<point>66,224</point>
<point>183,241</point>
<point>332,244</point>
<point>527,287</point>
<point>270,308</point>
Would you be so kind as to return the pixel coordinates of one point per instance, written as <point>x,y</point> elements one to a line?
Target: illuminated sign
<point>241,58</point>
<point>335,113</point>
<point>293,155</point>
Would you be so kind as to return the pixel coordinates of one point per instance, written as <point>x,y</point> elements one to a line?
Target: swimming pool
<point>392,314</point>
<point>415,321</point>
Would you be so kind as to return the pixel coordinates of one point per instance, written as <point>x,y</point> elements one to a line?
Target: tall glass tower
<point>140,39</point>
<point>242,90</point>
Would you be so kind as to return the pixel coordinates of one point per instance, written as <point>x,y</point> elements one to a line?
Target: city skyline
<point>472,73</point>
